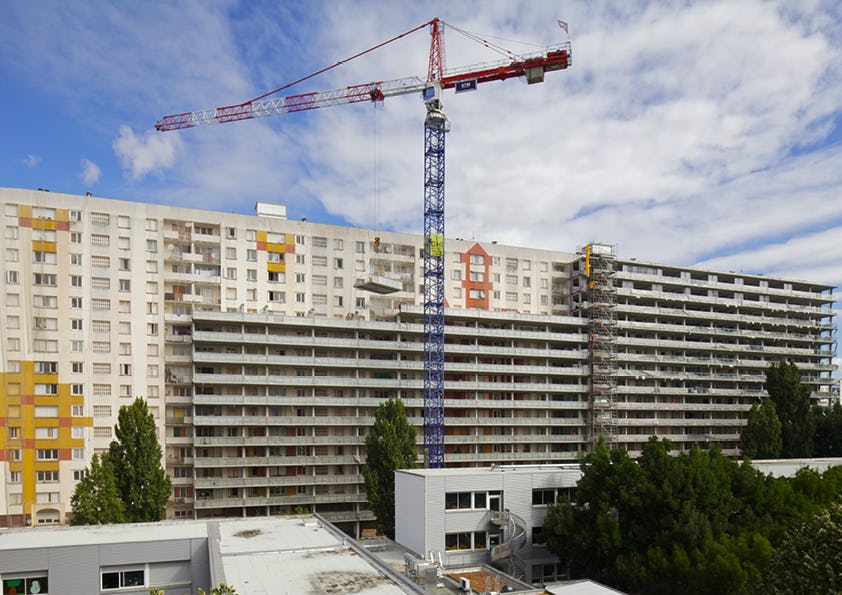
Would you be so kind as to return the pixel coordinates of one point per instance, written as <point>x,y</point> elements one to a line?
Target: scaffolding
<point>599,307</point>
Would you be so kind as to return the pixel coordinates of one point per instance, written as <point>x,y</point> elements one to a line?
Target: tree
<point>761,436</point>
<point>827,439</point>
<point>792,401</point>
<point>96,499</point>
<point>136,456</point>
<point>810,558</point>
<point>390,445</point>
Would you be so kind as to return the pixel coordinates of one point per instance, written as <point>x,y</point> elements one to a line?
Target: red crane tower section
<point>532,66</point>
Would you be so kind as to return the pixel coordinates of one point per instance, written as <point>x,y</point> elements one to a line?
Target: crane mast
<point>436,125</point>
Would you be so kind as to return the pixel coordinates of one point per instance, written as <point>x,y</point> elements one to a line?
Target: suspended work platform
<point>378,284</point>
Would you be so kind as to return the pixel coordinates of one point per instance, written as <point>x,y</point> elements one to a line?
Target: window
<point>45,279</point>
<point>299,259</point>
<point>457,541</point>
<point>278,296</point>
<point>44,257</point>
<point>151,245</point>
<point>46,454</point>
<point>274,257</point>
<point>78,454</point>
<point>251,274</point>
<point>44,301</point>
<point>151,225</point>
<point>46,433</point>
<point>231,253</point>
<point>100,218</point>
<point>125,369</point>
<point>77,346</point>
<point>98,239</point>
<point>277,277</point>
<point>77,411</point>
<point>77,367</point>
<point>46,368</point>
<point>456,275</point>
<point>14,477</point>
<point>125,264</point>
<point>11,232</point>
<point>338,282</point>
<point>299,277</point>
<point>76,280</point>
<point>360,302</point>
<point>123,222</point>
<point>75,237</point>
<point>14,434</point>
<point>29,584</point>
<point>527,282</point>
<point>12,277</point>
<point>360,247</point>
<point>299,298</point>
<point>76,389</point>
<point>125,285</point>
<point>76,324</point>
<point>120,579</point>
<point>100,304</point>
<point>251,255</point>
<point>76,259</point>
<point>337,263</point>
<point>230,273</point>
<point>231,233</point>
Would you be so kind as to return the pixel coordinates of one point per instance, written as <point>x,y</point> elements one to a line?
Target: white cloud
<point>147,153</point>
<point>90,172</point>
<point>31,160</point>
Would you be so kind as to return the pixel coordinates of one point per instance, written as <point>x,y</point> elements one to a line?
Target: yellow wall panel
<point>276,267</point>
<point>274,247</point>
<point>41,246</point>
<point>48,224</point>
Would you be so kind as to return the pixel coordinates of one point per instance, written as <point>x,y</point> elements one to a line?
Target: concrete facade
<point>263,364</point>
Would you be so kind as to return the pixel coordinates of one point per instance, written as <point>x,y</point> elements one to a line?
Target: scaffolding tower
<point>599,307</point>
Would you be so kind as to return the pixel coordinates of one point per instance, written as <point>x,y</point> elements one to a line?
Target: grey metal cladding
<point>70,569</point>
<point>152,551</point>
<point>23,560</point>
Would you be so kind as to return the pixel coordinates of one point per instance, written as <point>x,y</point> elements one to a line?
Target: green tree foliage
<point>96,499</point>
<point>136,455</point>
<point>792,401</point>
<point>761,436</point>
<point>809,560</point>
<point>827,439</point>
<point>696,522</point>
<point>389,445</point>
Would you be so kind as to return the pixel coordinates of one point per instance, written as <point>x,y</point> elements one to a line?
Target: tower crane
<point>531,66</point>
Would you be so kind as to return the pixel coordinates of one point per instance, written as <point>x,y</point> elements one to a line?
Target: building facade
<point>263,364</point>
<point>477,516</point>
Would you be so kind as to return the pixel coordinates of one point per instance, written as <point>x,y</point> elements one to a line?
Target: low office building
<point>266,557</point>
<point>477,516</point>
<point>263,362</point>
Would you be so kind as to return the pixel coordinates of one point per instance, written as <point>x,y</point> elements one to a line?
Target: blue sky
<point>699,133</point>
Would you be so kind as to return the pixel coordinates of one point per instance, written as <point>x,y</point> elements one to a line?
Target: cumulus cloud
<point>145,153</point>
<point>31,160</point>
<point>90,172</point>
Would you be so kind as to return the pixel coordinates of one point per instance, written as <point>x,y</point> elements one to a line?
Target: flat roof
<point>279,555</point>
<point>520,469</point>
<point>62,536</point>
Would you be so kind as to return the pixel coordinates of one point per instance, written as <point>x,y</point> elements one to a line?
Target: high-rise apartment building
<point>263,363</point>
